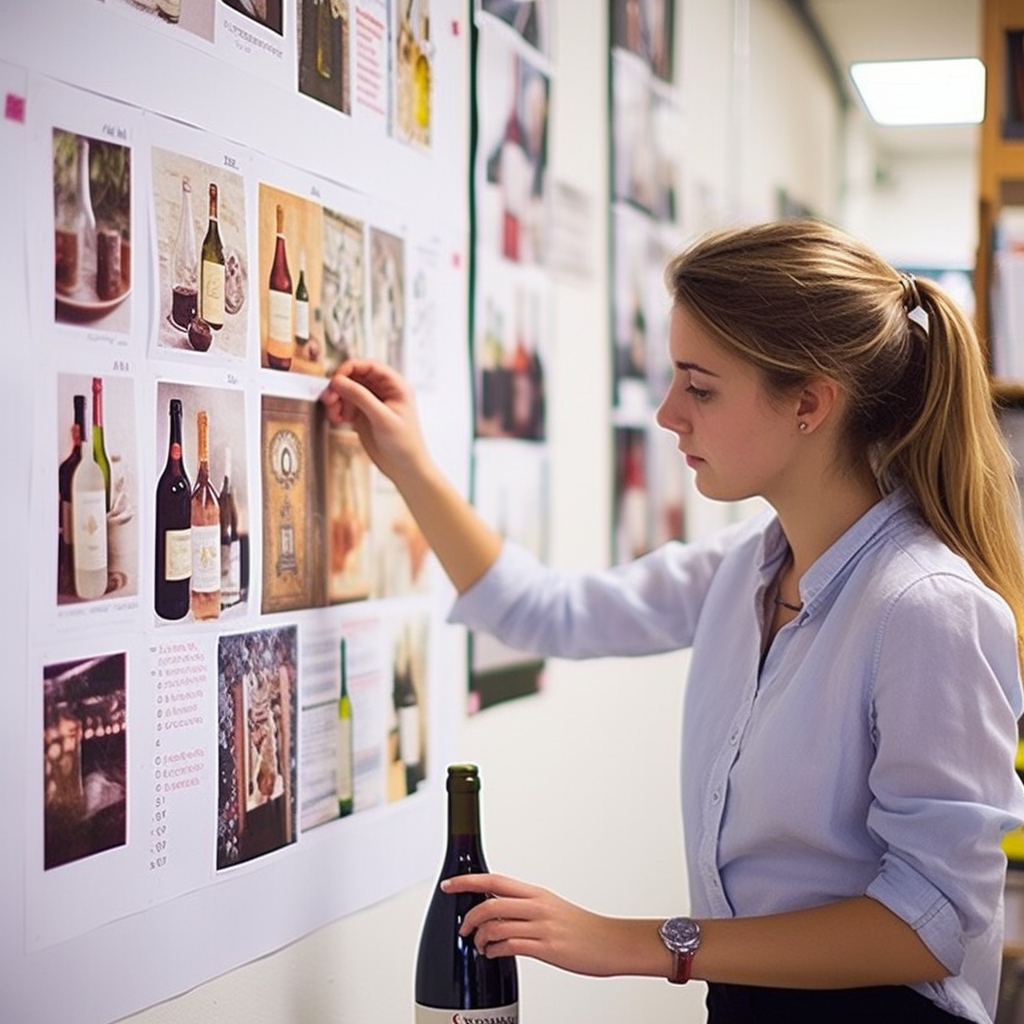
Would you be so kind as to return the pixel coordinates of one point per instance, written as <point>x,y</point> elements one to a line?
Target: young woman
<point>850,717</point>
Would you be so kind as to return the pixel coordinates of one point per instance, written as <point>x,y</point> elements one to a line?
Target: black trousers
<point>885,1004</point>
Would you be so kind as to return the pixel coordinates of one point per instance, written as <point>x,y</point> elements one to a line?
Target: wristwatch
<point>681,936</point>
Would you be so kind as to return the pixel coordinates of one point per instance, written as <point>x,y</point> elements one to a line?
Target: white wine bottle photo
<point>202,254</point>
<point>96,425</point>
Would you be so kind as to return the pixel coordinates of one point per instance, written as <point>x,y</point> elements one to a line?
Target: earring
<point>802,426</point>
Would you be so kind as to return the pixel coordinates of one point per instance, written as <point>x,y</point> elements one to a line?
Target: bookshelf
<point>1001,167</point>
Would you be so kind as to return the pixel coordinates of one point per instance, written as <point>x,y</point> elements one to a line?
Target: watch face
<point>681,934</point>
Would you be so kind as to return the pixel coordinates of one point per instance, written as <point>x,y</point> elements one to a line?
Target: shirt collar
<point>831,562</point>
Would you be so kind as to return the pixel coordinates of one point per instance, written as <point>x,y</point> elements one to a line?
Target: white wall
<point>915,210</point>
<point>580,782</point>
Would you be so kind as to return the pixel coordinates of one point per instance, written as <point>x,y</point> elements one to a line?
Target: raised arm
<point>380,406</point>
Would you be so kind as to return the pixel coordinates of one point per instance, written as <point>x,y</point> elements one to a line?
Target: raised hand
<point>379,404</point>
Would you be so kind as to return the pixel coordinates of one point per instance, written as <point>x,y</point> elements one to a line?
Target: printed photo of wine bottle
<point>414,54</point>
<point>204,530</point>
<point>509,365</point>
<point>172,573</point>
<point>89,526</point>
<point>325,72</point>
<point>302,310</point>
<point>291,273</point>
<point>65,527</point>
<point>345,771</point>
<point>199,211</point>
<point>407,739</point>
<point>200,532</point>
<point>280,302</point>
<point>230,540</point>
<point>639,315</point>
<point>513,131</point>
<point>92,232</point>
<point>98,543</point>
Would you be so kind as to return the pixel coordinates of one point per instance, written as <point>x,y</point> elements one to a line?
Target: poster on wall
<point>227,680</point>
<point>646,123</point>
<point>511,304</point>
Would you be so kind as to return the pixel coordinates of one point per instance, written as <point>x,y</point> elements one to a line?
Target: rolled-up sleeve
<point>945,701</point>
<point>647,606</point>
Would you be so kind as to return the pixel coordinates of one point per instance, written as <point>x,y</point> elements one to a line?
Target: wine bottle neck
<point>203,442</point>
<point>464,818</point>
<point>83,170</point>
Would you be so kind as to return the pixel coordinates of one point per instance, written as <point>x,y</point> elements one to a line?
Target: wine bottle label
<point>205,559</point>
<point>344,771</point>
<point>409,734</point>
<point>212,308</point>
<point>490,1015</point>
<point>279,326</point>
<point>301,321</point>
<point>177,555</point>
<point>90,530</point>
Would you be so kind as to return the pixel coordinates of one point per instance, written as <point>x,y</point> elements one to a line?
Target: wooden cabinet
<point>1001,169</point>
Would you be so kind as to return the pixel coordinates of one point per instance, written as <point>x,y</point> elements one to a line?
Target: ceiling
<point>857,30</point>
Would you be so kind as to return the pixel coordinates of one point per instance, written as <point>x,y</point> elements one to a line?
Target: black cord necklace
<point>777,598</point>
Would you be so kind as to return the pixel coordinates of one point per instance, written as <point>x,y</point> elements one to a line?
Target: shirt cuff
<point>911,897</point>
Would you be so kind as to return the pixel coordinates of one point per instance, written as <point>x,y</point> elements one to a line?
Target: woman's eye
<point>699,394</point>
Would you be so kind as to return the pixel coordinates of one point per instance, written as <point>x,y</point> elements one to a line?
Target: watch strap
<point>682,964</point>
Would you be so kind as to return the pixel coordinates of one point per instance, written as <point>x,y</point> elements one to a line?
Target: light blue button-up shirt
<point>871,752</point>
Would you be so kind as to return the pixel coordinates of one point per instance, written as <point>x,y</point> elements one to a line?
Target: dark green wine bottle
<point>450,973</point>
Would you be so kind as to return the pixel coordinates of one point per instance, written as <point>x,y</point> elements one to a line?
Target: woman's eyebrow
<point>682,365</point>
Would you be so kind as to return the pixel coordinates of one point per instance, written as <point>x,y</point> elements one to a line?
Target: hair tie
<point>909,295</point>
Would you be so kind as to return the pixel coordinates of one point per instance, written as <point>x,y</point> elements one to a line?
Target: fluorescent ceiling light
<point>905,92</point>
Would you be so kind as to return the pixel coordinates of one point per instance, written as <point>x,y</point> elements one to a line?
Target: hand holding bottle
<point>526,920</point>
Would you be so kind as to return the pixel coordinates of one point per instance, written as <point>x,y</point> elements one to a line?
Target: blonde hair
<point>800,299</point>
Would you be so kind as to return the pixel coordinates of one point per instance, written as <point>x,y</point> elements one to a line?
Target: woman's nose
<point>670,417</point>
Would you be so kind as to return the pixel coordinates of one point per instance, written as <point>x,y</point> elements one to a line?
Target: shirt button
<point>716,796</point>
<point>734,738</point>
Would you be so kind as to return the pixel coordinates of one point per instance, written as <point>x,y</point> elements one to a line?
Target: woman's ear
<point>816,402</point>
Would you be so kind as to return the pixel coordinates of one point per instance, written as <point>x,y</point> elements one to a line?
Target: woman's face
<point>734,439</point>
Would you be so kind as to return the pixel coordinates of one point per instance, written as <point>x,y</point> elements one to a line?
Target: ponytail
<point>952,456</point>
<point>800,299</point>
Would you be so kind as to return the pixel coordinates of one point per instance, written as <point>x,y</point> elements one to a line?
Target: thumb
<point>355,397</point>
